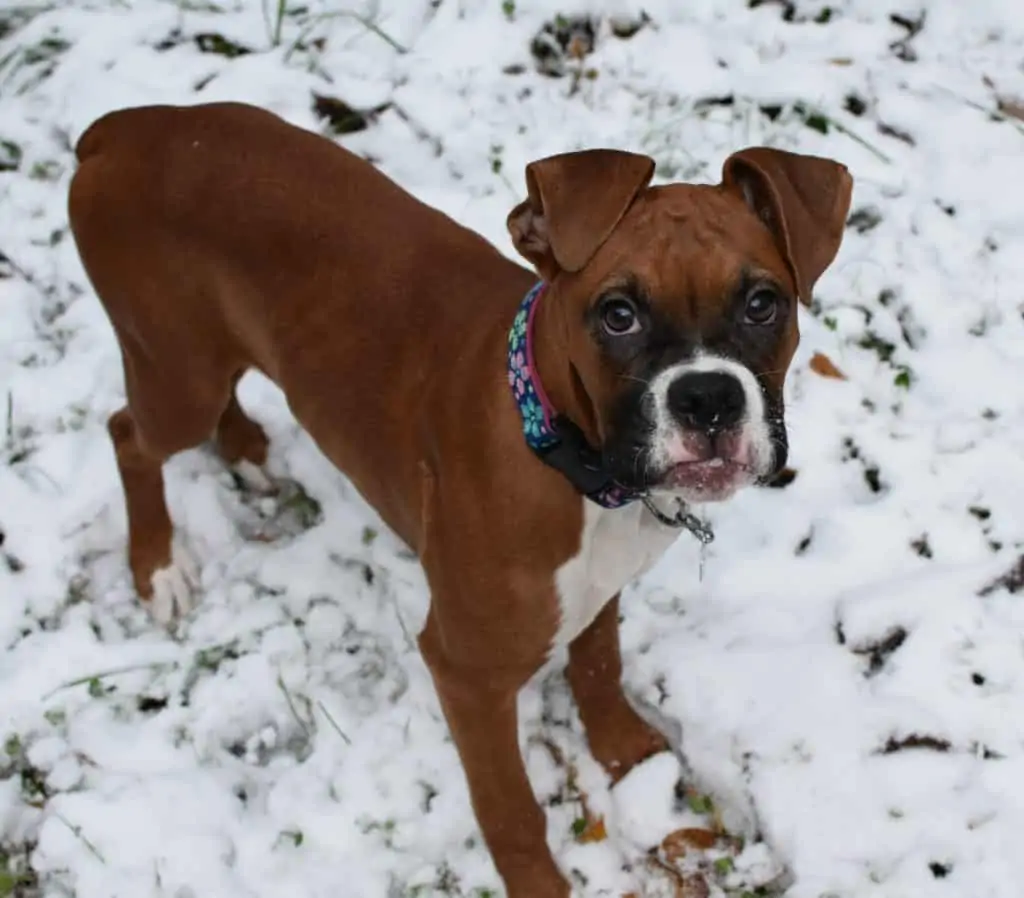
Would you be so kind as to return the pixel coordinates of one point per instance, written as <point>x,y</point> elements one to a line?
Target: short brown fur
<point>220,239</point>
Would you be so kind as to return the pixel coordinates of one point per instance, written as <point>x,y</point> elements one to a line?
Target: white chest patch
<point>617,545</point>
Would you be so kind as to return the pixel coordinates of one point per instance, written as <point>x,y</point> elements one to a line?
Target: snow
<point>834,680</point>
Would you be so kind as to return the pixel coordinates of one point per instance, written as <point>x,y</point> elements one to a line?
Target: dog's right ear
<point>574,202</point>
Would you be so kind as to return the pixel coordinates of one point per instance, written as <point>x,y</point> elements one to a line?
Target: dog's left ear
<point>574,202</point>
<point>804,200</point>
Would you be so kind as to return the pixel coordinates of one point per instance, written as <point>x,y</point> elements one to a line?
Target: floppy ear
<point>804,200</point>
<point>574,202</point>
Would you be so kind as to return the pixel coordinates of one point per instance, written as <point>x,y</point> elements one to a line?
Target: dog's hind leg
<point>161,419</point>
<point>164,577</point>
<point>243,444</point>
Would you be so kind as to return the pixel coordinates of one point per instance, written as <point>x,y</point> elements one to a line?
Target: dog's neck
<point>550,429</point>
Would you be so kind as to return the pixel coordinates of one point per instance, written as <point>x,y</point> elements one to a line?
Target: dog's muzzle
<point>710,433</point>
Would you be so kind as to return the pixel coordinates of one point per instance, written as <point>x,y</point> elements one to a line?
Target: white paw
<point>644,802</point>
<point>174,587</point>
<point>254,477</point>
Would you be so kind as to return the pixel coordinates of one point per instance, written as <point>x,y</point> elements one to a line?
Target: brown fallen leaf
<point>678,843</point>
<point>823,365</point>
<point>594,831</point>
<point>693,886</point>
<point>684,885</point>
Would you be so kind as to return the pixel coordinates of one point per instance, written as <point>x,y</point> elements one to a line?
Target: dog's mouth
<point>709,480</point>
<point>696,465</point>
<point>707,467</point>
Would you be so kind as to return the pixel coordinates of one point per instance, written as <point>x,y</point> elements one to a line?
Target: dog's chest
<point>616,546</point>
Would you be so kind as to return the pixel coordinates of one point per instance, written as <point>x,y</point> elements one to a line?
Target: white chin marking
<point>696,495</point>
<point>174,587</point>
<point>667,438</point>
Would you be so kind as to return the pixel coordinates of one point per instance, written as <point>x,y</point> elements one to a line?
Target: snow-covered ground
<point>841,677</point>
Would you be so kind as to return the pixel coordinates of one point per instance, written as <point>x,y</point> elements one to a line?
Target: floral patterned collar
<point>555,439</point>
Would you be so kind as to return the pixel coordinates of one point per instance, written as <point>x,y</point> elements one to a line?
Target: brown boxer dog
<point>535,444</point>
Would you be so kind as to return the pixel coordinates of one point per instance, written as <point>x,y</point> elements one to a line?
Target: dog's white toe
<point>174,587</point>
<point>254,477</point>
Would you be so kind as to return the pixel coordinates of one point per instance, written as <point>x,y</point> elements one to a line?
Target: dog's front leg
<point>480,707</point>
<point>619,738</point>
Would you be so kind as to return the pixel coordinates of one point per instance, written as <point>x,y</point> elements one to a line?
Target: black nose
<point>707,400</point>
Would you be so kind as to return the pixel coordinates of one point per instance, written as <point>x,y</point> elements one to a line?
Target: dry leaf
<point>690,885</point>
<point>693,886</point>
<point>594,831</point>
<point>823,365</point>
<point>841,60</point>
<point>578,47</point>
<point>676,844</point>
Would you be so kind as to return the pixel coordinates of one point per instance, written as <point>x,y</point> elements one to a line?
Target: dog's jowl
<point>534,435</point>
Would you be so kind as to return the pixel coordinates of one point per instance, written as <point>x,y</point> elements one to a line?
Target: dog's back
<point>267,234</point>
<point>240,221</point>
<point>220,238</point>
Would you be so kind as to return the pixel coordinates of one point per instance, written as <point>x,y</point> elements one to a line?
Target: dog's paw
<point>254,478</point>
<point>646,801</point>
<point>174,587</point>
<point>681,839</point>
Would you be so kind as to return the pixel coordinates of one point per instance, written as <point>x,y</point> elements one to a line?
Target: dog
<point>535,434</point>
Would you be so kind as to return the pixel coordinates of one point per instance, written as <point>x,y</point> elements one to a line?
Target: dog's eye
<point>618,317</point>
<point>762,307</point>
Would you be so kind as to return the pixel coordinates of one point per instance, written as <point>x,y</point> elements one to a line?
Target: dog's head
<point>674,308</point>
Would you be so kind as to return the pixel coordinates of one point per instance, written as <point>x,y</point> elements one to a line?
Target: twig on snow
<point>334,723</point>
